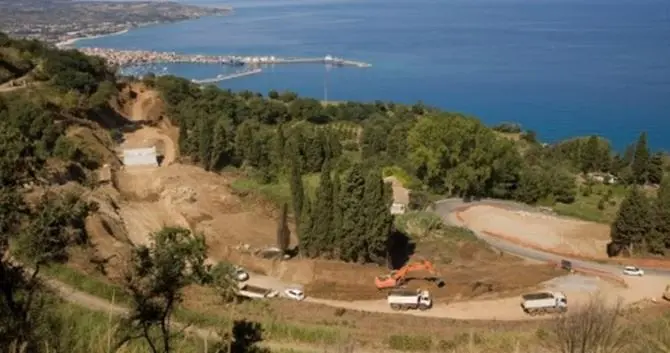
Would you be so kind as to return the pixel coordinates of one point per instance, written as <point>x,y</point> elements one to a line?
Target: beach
<point>70,42</point>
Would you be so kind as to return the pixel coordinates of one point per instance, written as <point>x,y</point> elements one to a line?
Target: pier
<point>143,57</point>
<point>220,78</point>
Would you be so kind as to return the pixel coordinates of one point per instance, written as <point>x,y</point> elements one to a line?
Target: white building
<point>140,157</point>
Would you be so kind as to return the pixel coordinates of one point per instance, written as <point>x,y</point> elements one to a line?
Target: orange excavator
<point>399,277</point>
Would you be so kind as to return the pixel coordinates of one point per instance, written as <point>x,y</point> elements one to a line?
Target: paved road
<point>446,209</point>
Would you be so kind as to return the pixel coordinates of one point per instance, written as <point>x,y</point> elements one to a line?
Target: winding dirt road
<point>504,309</point>
<point>638,289</point>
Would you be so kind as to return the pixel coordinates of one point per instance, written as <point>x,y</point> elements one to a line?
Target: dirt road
<point>91,302</point>
<point>639,289</point>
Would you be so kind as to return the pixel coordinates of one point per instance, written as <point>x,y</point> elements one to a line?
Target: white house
<point>140,157</point>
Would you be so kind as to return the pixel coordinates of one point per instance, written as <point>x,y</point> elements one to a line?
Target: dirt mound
<point>188,196</point>
<point>560,234</point>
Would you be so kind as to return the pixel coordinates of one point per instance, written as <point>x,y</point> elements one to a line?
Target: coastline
<point>70,42</point>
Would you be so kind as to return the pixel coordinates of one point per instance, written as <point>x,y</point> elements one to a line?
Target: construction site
<point>144,187</point>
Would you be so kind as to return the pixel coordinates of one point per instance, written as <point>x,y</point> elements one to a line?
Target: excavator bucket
<point>383,282</point>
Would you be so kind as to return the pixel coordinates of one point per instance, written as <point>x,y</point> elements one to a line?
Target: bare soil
<point>559,234</point>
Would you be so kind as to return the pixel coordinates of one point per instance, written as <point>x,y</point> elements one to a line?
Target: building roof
<point>140,156</point>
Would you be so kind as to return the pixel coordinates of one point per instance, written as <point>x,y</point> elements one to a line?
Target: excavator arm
<point>397,278</point>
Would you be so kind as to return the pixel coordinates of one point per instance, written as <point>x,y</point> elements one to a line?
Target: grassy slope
<point>586,208</point>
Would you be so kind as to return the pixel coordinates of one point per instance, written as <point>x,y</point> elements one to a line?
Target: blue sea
<point>559,67</point>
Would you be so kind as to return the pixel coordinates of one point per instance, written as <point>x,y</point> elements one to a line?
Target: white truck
<point>249,291</point>
<point>544,303</point>
<point>404,299</point>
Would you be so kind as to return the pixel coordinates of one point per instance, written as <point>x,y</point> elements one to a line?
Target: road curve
<point>448,208</point>
<point>504,309</point>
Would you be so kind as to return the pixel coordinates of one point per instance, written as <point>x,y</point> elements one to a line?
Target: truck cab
<point>425,300</point>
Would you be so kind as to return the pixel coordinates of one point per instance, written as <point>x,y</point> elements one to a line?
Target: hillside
<point>226,163</point>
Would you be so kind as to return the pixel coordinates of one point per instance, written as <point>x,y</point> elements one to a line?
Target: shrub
<point>410,343</point>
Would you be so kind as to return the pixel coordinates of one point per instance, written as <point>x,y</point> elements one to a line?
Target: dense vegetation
<point>284,136</point>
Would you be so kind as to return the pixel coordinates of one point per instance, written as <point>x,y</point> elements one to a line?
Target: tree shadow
<point>245,336</point>
<point>616,249</point>
<point>400,248</point>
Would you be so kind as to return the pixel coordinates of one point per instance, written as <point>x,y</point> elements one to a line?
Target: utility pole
<point>325,86</point>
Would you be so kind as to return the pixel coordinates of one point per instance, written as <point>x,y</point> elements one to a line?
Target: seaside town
<point>122,58</point>
<point>64,21</point>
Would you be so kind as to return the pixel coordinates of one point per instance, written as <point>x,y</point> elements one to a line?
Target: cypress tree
<point>377,203</point>
<point>323,211</point>
<point>336,222</point>
<point>633,221</point>
<point>640,164</point>
<point>297,189</point>
<point>353,245</point>
<point>283,233</point>
<point>306,241</point>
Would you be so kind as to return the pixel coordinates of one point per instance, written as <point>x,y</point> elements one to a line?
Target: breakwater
<point>139,57</point>
<point>222,77</point>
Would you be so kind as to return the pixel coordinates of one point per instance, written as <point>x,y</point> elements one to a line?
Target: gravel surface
<point>574,283</point>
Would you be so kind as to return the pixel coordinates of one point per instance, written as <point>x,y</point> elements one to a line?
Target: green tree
<point>336,222</point>
<point>323,212</point>
<point>283,233</point>
<point>656,171</point>
<point>531,187</point>
<point>353,244</point>
<point>640,164</point>
<point>377,201</point>
<point>633,221</point>
<point>591,155</point>
<point>396,143</point>
<point>662,214</point>
<point>43,236</point>
<point>297,188</point>
<point>206,136</point>
<point>222,144</point>
<point>106,90</point>
<point>305,227</point>
<point>57,223</point>
<point>155,281</point>
<point>223,281</point>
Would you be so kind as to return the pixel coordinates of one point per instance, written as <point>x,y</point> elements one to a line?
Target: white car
<point>294,293</point>
<point>240,274</point>
<point>633,271</point>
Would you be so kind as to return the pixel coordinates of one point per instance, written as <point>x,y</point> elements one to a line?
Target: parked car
<point>240,274</point>
<point>294,293</point>
<point>633,271</point>
<point>566,265</point>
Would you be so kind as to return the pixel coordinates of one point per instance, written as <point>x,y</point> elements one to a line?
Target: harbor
<point>123,58</point>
